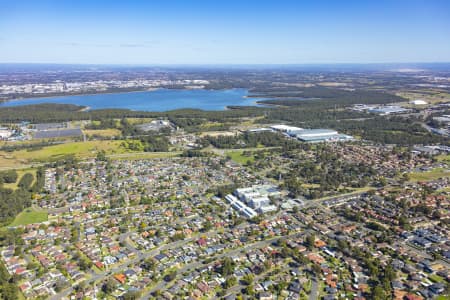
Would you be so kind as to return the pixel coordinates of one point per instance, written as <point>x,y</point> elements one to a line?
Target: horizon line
<point>228,64</point>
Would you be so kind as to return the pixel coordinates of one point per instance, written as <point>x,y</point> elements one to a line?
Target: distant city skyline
<point>227,32</point>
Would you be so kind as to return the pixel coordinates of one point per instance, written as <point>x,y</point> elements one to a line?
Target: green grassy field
<point>431,98</point>
<point>20,158</point>
<point>139,120</point>
<point>20,173</point>
<point>26,160</point>
<point>30,216</point>
<point>443,158</point>
<point>239,157</point>
<point>103,132</point>
<point>354,191</point>
<point>429,175</point>
<point>143,155</point>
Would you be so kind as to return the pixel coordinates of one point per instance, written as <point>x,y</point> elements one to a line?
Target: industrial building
<point>311,135</point>
<point>257,130</point>
<point>388,110</point>
<point>319,135</point>
<point>384,110</point>
<point>47,134</point>
<point>285,128</point>
<point>49,126</point>
<point>155,125</point>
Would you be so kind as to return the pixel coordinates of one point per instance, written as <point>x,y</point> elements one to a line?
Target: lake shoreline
<point>79,94</point>
<point>155,99</point>
<point>58,95</point>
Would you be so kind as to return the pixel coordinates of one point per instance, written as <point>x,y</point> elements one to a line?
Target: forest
<point>12,201</point>
<point>246,140</point>
<point>327,96</point>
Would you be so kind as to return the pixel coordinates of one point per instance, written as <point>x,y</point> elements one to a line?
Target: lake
<point>157,100</point>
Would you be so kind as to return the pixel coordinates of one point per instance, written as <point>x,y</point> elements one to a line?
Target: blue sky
<point>224,32</point>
